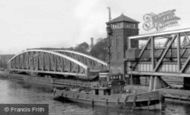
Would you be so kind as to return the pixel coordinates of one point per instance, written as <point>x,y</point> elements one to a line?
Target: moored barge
<point>112,94</point>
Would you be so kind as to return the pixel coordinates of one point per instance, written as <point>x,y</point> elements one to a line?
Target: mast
<point>109,33</point>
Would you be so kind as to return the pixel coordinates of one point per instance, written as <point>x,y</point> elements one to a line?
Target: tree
<point>100,49</point>
<point>83,48</point>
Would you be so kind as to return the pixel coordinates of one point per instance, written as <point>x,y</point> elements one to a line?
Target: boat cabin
<point>102,91</point>
<point>109,86</point>
<point>117,86</point>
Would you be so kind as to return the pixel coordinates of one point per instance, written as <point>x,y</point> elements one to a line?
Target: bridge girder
<point>172,58</point>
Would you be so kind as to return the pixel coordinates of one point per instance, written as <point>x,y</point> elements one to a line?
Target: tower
<point>122,27</point>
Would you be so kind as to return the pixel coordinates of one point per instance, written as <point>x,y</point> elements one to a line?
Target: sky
<point>66,23</point>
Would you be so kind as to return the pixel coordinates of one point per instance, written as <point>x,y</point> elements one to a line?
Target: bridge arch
<point>92,62</point>
<point>46,61</point>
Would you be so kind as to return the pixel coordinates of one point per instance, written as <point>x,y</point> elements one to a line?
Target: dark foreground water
<point>15,92</point>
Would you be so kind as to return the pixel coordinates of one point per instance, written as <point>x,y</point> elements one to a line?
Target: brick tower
<point>122,27</point>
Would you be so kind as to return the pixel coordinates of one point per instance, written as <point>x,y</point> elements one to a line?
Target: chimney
<point>92,42</point>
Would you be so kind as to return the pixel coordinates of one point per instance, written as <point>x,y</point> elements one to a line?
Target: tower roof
<point>123,18</point>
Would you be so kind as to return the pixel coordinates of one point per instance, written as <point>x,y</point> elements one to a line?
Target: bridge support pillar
<point>151,83</point>
<point>156,82</point>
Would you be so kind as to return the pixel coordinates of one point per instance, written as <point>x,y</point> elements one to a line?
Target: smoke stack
<point>92,42</point>
<point>109,13</point>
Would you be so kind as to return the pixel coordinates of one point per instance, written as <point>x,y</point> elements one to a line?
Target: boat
<point>112,93</point>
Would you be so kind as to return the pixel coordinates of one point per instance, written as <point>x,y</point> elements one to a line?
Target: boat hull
<point>110,101</point>
<point>156,106</point>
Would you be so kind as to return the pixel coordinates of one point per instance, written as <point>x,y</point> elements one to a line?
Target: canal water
<point>12,92</point>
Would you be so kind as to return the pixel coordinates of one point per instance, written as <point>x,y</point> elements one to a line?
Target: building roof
<point>123,18</point>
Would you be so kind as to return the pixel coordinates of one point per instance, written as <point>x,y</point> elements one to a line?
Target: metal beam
<point>144,48</point>
<point>185,65</point>
<point>178,52</point>
<point>160,33</point>
<point>186,37</point>
<point>184,50</point>
<point>74,53</point>
<point>165,44</point>
<point>163,74</point>
<point>142,51</point>
<point>152,52</point>
<point>164,53</point>
<point>52,72</point>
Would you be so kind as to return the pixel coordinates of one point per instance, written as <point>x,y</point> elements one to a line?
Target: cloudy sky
<point>64,23</point>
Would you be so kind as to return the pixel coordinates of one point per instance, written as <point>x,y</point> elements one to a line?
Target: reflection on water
<point>15,92</point>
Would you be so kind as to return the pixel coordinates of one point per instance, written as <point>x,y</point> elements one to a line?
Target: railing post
<point>152,52</point>
<point>178,52</point>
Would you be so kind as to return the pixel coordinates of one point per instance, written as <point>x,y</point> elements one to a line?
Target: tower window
<point>132,26</point>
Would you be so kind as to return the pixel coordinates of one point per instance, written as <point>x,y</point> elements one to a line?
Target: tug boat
<point>111,93</point>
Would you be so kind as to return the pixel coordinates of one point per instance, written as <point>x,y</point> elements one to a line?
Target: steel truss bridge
<point>163,54</point>
<point>59,62</point>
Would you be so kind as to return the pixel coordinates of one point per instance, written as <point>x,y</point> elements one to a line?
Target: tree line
<point>99,50</point>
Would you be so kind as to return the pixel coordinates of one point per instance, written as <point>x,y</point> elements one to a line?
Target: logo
<point>160,21</point>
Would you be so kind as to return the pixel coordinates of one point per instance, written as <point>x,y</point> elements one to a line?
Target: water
<point>15,92</point>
